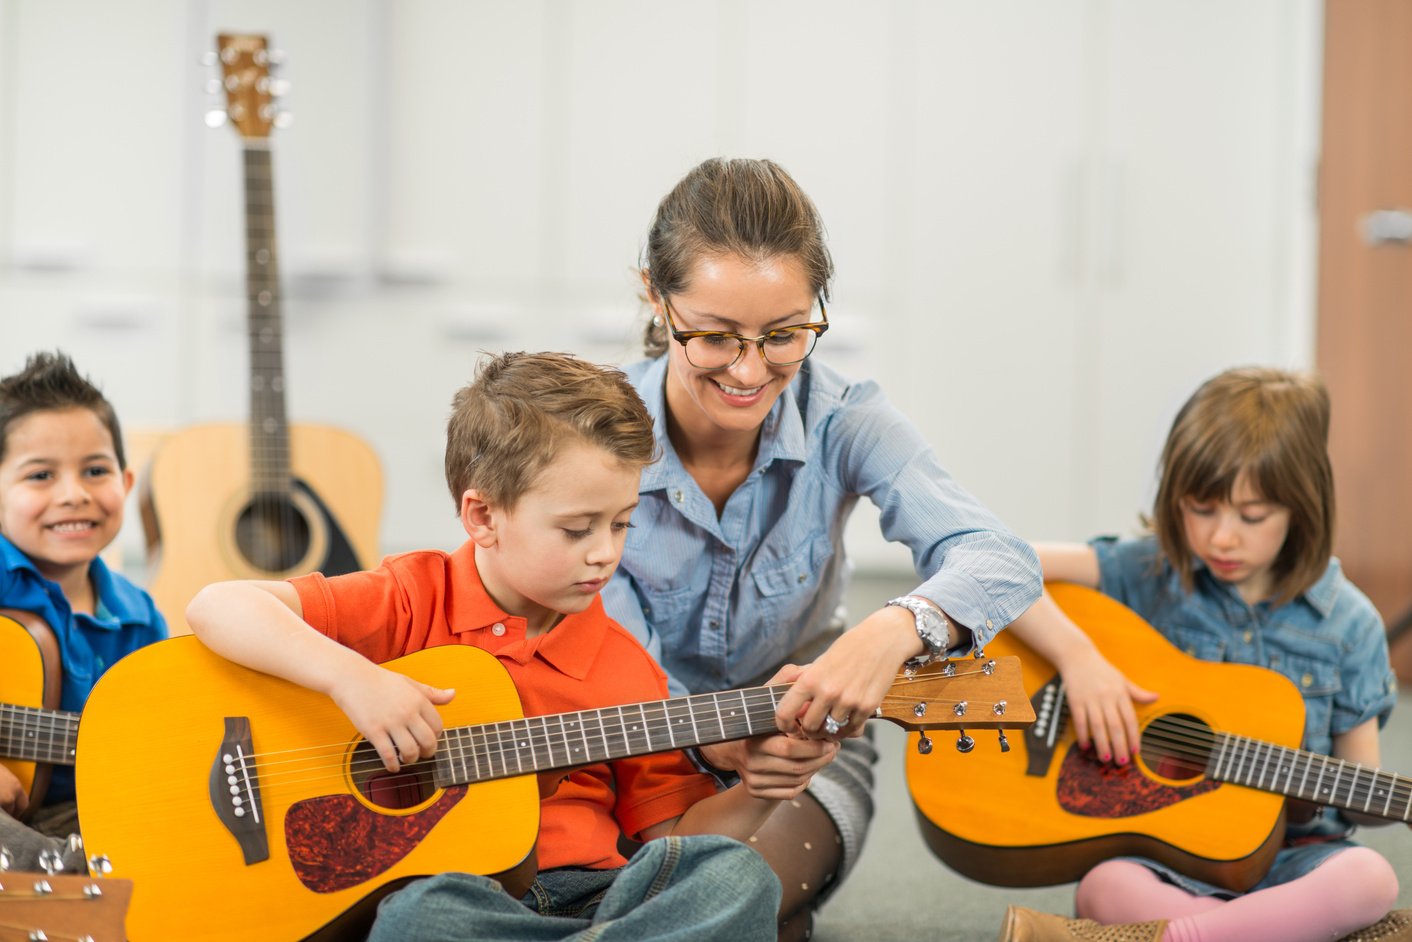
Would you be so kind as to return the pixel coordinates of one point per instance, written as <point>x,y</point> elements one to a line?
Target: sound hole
<point>1177,746</point>
<point>394,791</point>
<point>272,533</point>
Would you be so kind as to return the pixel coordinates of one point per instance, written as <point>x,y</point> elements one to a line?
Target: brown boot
<point>1027,925</point>
<point>1396,926</point>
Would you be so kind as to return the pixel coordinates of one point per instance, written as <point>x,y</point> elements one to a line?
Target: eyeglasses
<point>721,349</point>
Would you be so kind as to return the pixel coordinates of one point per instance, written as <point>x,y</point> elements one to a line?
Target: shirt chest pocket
<point>797,573</point>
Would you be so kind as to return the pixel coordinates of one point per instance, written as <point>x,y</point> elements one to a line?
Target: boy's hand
<point>13,798</point>
<point>774,766</point>
<point>396,714</point>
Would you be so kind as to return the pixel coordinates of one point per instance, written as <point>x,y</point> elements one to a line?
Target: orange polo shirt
<point>420,600</point>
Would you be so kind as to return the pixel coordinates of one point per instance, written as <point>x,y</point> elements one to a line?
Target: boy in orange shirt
<point>543,457</point>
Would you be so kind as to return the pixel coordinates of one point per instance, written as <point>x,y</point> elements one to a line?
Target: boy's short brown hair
<point>508,424</point>
<point>50,382</point>
<point>1273,425</point>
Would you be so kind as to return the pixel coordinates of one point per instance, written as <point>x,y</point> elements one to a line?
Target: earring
<point>657,320</point>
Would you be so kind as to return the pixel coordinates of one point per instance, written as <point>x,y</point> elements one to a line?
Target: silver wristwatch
<point>933,627</point>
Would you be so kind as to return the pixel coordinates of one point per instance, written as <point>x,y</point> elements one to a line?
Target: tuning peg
<point>5,859</point>
<point>215,119</point>
<point>208,59</point>
<point>949,670</point>
<point>51,861</point>
<point>988,668</point>
<point>919,708</point>
<point>275,57</point>
<point>1004,742</point>
<point>100,865</point>
<point>960,707</point>
<point>924,745</point>
<point>964,743</point>
<point>37,935</point>
<point>273,87</point>
<point>998,707</point>
<point>284,119</point>
<point>979,653</point>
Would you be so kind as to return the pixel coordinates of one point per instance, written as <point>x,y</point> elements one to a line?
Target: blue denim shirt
<point>1329,640</point>
<point>125,618</point>
<point>722,601</point>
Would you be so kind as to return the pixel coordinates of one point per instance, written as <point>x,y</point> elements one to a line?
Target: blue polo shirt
<point>125,619</point>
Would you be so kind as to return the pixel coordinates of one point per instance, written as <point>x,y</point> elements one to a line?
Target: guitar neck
<point>1323,780</point>
<point>540,743</point>
<point>35,735</point>
<point>269,424</point>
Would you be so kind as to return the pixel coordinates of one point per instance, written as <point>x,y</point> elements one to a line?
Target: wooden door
<point>1365,295</point>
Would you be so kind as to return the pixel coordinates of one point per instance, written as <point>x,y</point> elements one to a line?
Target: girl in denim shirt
<point>1238,568</point>
<point>736,565</point>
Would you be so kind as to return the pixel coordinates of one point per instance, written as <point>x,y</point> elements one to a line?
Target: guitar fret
<point>642,712</point>
<point>583,734</point>
<point>720,720</point>
<point>1338,774</point>
<point>603,736</point>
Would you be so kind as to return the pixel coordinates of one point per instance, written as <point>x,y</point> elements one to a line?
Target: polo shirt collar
<point>571,646</point>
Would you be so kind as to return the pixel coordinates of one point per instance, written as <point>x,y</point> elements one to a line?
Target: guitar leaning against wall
<point>1219,755</point>
<point>266,500</point>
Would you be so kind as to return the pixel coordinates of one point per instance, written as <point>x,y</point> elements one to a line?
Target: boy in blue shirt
<point>64,483</point>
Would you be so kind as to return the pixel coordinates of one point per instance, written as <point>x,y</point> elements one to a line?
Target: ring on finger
<point>832,726</point>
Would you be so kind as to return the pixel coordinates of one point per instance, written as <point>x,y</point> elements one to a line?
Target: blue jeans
<point>675,889</point>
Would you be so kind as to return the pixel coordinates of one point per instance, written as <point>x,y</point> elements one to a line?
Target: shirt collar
<point>570,647</point>
<point>110,614</point>
<point>782,436</point>
<point>1320,596</point>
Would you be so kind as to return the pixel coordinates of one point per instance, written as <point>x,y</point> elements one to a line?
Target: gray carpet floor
<point>901,891</point>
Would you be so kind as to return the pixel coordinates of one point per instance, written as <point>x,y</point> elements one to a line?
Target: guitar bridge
<point>1041,737</point>
<point>235,791</point>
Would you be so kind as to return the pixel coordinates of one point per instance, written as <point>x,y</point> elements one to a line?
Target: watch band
<point>933,627</point>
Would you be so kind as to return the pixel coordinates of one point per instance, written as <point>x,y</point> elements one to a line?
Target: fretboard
<point>35,735</point>
<point>1320,779</point>
<point>540,743</point>
<point>269,426</point>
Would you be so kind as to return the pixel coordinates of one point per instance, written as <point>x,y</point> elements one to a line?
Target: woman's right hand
<point>1100,699</point>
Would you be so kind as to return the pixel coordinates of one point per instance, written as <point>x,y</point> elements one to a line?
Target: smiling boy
<point>64,481</point>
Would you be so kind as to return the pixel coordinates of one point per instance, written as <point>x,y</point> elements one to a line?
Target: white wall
<point>1051,218</point>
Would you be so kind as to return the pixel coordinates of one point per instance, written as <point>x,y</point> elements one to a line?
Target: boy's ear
<point>478,518</point>
<point>128,479</point>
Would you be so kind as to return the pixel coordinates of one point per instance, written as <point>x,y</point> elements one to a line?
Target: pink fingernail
<point>1106,756</point>
<point>1123,760</point>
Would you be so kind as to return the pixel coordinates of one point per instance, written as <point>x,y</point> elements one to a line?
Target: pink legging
<point>1352,889</point>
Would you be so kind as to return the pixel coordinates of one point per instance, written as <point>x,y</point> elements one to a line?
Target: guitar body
<point>204,525</point>
<point>32,679</point>
<point>329,830</point>
<point>1050,813</point>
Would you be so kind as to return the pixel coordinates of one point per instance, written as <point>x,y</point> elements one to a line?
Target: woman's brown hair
<point>750,208</point>
<point>1273,426</point>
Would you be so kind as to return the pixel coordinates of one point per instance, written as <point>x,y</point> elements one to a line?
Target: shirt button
<point>678,496</point>
<point>715,623</point>
<point>1248,636</point>
<point>1307,679</point>
<point>497,629</point>
<point>803,578</point>
<point>988,623</point>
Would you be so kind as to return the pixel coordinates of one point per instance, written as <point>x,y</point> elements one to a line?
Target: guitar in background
<point>1205,794</point>
<point>265,500</point>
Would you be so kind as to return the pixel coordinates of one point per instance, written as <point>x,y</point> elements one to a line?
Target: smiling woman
<point>736,565</point>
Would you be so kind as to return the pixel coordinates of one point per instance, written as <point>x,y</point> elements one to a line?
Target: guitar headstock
<point>246,61</point>
<point>64,906</point>
<point>960,694</point>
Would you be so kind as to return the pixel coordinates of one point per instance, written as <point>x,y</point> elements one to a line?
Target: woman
<point>736,564</point>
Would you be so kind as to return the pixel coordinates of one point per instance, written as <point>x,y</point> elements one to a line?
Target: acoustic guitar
<point>34,906</point>
<point>1206,794</point>
<point>266,790</point>
<point>265,500</point>
<point>34,734</point>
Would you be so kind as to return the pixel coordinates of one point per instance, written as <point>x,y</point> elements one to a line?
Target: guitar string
<point>500,739</point>
<point>499,745</point>
<point>1164,740</point>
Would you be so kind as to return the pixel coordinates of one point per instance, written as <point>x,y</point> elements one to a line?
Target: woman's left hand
<point>849,680</point>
